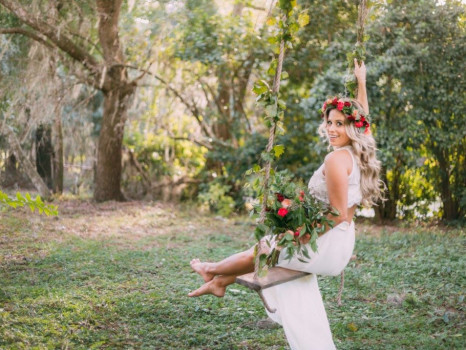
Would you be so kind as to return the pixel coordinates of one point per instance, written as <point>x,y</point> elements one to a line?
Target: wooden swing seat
<point>275,276</point>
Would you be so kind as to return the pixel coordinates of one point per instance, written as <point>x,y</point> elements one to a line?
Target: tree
<point>419,51</point>
<point>101,65</point>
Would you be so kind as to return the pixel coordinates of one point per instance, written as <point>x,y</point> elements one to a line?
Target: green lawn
<point>116,276</point>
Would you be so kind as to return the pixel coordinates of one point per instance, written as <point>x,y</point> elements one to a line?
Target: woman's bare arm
<point>360,74</point>
<point>337,167</point>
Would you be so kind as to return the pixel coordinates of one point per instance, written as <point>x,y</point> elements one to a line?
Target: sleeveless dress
<point>299,305</point>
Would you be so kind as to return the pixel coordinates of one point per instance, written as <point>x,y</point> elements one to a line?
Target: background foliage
<point>193,128</point>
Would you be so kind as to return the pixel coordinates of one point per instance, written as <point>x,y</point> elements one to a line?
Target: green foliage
<point>215,196</point>
<point>26,200</point>
<point>413,96</point>
<point>416,97</point>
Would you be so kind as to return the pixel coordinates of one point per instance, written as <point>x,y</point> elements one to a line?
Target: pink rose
<point>355,113</point>
<point>286,203</point>
<point>340,105</point>
<point>359,124</point>
<point>282,212</point>
<point>335,101</point>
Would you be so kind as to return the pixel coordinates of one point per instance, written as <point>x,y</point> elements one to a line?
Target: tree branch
<point>192,107</point>
<point>25,32</point>
<point>197,142</point>
<point>54,35</point>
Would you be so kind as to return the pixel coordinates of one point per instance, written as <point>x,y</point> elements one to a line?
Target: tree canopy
<point>154,98</point>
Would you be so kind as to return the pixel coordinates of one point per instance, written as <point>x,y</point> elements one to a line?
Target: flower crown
<point>351,112</point>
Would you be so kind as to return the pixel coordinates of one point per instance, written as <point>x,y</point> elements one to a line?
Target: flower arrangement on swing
<point>293,221</point>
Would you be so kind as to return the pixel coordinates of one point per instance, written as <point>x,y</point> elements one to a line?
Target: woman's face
<point>336,130</point>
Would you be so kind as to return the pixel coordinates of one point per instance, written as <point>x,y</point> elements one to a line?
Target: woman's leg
<point>216,286</point>
<point>235,265</point>
<point>221,274</point>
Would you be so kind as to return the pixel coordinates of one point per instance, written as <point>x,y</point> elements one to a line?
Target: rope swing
<point>279,275</point>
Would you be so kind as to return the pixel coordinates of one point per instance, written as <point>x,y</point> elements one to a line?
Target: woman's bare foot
<point>211,287</point>
<point>201,269</point>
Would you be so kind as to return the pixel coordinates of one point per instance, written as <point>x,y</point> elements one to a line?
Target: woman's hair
<point>364,149</point>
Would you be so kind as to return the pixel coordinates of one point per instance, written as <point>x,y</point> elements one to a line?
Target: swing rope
<point>285,275</point>
<point>273,128</point>
<point>362,14</point>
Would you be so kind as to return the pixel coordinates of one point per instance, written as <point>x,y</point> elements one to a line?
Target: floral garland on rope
<point>291,213</point>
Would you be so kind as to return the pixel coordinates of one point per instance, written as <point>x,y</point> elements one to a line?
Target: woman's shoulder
<point>338,155</point>
<point>339,160</point>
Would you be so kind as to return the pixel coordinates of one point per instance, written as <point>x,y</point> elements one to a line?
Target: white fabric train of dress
<point>299,305</point>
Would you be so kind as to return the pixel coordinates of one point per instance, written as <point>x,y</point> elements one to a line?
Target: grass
<point>116,275</point>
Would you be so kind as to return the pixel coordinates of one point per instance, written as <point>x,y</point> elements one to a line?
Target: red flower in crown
<point>282,212</point>
<point>350,111</point>
<point>359,124</point>
<point>324,107</point>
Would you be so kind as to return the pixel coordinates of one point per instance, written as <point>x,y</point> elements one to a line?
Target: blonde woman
<point>348,177</point>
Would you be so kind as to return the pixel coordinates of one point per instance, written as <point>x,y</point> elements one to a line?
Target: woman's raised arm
<point>360,74</point>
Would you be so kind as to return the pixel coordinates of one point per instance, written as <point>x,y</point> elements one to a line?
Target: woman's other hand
<point>360,71</point>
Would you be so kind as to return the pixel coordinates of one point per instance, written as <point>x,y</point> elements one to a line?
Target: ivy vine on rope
<point>309,217</point>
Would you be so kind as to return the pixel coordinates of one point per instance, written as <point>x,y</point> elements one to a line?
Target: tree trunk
<point>58,155</point>
<point>386,211</point>
<point>109,151</point>
<point>27,166</point>
<point>44,153</point>
<point>450,205</point>
<point>10,167</point>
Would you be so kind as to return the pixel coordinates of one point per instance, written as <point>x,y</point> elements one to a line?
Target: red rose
<point>335,101</point>
<point>301,196</point>
<point>280,197</point>
<point>282,212</point>
<point>351,118</point>
<point>363,119</point>
<point>296,234</point>
<point>347,104</point>
<point>359,124</point>
<point>340,105</point>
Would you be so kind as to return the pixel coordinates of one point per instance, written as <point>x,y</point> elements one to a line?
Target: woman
<point>348,177</point>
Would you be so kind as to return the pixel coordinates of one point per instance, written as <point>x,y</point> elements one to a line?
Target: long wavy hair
<point>364,149</point>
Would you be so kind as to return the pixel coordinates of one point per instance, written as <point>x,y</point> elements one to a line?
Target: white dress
<point>299,305</point>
